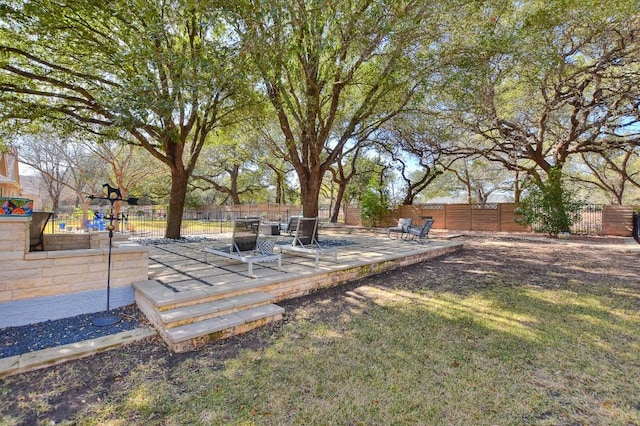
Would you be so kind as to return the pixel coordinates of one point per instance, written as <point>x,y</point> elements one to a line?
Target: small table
<point>269,228</point>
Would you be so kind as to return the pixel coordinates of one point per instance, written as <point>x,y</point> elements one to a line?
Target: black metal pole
<point>109,268</point>
<point>108,318</point>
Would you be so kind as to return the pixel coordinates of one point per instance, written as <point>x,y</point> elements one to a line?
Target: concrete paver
<point>52,356</point>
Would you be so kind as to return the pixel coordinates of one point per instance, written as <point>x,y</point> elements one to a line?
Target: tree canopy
<point>333,70</point>
<point>531,86</point>
<point>163,72</point>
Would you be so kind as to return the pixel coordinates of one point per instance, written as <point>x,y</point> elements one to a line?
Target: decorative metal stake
<point>108,318</point>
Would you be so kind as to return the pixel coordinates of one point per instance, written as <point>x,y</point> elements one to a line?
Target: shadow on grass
<point>404,351</point>
<point>493,335</point>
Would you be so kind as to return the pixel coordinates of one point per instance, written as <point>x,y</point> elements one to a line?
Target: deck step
<point>203,311</point>
<point>187,327</point>
<point>164,299</point>
<point>191,336</point>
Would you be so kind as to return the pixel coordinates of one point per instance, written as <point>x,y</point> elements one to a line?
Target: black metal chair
<point>39,221</point>
<point>403,224</point>
<point>291,225</point>
<point>420,232</point>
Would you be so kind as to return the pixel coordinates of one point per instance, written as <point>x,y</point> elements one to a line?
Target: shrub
<point>548,206</point>
<point>374,204</point>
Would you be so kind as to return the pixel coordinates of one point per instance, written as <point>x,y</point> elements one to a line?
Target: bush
<point>548,206</point>
<point>374,204</point>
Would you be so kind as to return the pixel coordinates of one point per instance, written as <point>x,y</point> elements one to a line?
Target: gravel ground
<point>156,241</point>
<point>49,334</point>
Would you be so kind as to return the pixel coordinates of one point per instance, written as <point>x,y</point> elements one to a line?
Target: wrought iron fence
<point>589,221</point>
<point>141,224</point>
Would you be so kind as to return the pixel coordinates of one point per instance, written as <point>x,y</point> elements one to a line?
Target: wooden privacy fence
<point>618,220</point>
<point>474,217</point>
<point>499,217</point>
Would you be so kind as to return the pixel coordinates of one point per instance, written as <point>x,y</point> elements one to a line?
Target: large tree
<point>161,71</point>
<point>417,148</point>
<point>333,69</point>
<point>47,154</point>
<point>615,172</point>
<point>541,83</point>
<point>479,178</point>
<point>126,165</point>
<point>352,173</point>
<point>547,82</point>
<point>64,162</point>
<point>229,166</point>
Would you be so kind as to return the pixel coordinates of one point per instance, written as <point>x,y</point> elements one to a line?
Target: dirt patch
<point>62,392</point>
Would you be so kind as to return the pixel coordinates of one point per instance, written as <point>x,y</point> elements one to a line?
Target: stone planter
<point>12,206</point>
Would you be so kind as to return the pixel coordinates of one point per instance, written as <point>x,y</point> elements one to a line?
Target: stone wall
<point>81,240</point>
<point>36,286</point>
<point>55,242</point>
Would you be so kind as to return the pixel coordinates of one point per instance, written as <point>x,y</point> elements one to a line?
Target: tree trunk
<point>467,183</point>
<point>617,198</point>
<point>279,190</point>
<point>310,191</point>
<point>85,212</point>
<point>55,205</point>
<point>179,180</point>
<point>234,173</point>
<point>336,207</point>
<point>482,197</point>
<point>517,191</point>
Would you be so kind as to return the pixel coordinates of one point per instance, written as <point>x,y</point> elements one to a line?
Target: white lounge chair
<point>245,246</point>
<point>305,242</point>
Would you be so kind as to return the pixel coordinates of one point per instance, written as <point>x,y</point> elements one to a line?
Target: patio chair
<point>419,232</point>
<point>291,225</point>
<point>305,241</point>
<point>401,228</point>
<point>245,246</point>
<point>39,221</point>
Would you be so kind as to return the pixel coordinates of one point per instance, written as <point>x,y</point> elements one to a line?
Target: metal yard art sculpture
<point>113,195</point>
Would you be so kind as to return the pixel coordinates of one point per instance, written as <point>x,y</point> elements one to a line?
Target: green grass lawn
<point>500,356</point>
<point>479,338</point>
